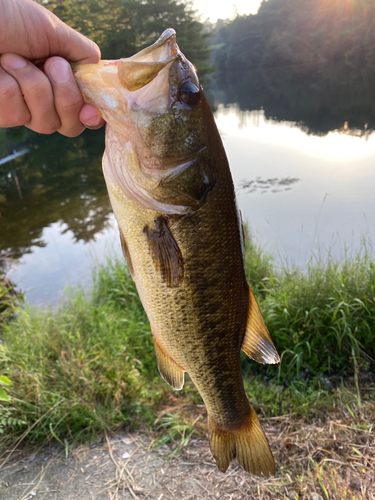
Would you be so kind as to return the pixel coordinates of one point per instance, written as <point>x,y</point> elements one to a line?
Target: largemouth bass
<point>172,193</point>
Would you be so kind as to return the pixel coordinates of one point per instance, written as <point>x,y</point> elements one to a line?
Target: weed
<point>92,361</point>
<point>4,381</point>
<point>9,298</point>
<point>321,320</point>
<point>7,422</point>
<point>174,428</point>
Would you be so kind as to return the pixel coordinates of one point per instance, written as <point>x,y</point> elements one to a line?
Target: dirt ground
<point>334,459</point>
<point>123,467</point>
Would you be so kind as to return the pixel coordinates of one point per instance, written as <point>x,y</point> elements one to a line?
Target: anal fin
<point>170,371</point>
<point>257,343</point>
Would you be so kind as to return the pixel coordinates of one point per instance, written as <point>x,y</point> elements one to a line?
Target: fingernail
<point>13,61</point>
<point>93,121</point>
<point>60,71</point>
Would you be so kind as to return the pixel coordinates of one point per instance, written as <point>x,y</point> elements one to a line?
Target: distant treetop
<point>123,27</point>
<point>308,61</point>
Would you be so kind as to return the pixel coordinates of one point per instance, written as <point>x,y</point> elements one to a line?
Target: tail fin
<point>248,444</point>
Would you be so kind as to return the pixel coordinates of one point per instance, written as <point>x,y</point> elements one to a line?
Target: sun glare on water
<point>335,146</point>
<point>225,10</point>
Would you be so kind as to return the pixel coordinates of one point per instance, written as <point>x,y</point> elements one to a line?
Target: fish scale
<point>172,193</point>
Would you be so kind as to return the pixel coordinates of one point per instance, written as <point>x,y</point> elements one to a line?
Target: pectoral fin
<point>165,252</point>
<point>169,369</point>
<point>257,343</point>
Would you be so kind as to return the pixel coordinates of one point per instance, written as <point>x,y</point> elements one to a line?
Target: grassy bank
<point>85,367</point>
<point>322,320</point>
<point>9,298</point>
<point>90,365</point>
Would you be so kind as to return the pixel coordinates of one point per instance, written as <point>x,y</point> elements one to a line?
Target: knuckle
<point>96,49</point>
<point>72,131</point>
<point>38,86</point>
<point>70,102</point>
<point>46,129</point>
<point>9,90</point>
<point>44,126</point>
<point>13,123</point>
<point>15,118</point>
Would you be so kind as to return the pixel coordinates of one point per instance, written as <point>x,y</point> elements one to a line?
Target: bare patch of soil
<point>333,459</point>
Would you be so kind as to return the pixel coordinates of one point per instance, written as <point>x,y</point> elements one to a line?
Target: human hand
<point>45,98</point>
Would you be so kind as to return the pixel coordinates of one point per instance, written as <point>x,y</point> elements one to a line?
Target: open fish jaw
<point>116,87</point>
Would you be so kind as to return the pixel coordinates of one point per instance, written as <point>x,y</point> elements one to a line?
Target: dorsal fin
<point>171,372</point>
<point>257,343</point>
<point>166,253</point>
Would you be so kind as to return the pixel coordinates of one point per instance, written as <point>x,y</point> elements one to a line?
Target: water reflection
<point>330,207</point>
<point>58,181</point>
<point>273,185</point>
<point>311,63</point>
<point>56,220</point>
<point>55,215</point>
<point>316,105</point>
<point>46,271</point>
<point>335,145</point>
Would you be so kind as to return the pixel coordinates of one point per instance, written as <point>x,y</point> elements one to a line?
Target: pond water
<point>314,195</point>
<point>302,196</point>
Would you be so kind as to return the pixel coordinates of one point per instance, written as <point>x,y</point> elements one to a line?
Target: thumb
<point>75,47</point>
<point>34,32</point>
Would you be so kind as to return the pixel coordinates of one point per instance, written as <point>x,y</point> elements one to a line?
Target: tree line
<point>308,61</point>
<point>123,27</point>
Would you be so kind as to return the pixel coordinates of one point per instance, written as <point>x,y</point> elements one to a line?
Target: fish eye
<point>189,94</point>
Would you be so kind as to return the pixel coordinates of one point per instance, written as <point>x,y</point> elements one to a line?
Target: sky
<point>216,9</point>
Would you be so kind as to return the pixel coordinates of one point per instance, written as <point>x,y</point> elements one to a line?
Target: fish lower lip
<point>166,35</point>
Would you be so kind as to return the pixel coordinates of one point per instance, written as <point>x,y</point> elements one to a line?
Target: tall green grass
<point>90,364</point>
<point>87,366</point>
<point>321,319</point>
<point>9,298</point>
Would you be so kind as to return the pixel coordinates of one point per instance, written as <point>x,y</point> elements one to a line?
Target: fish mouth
<point>137,71</point>
<point>133,73</point>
